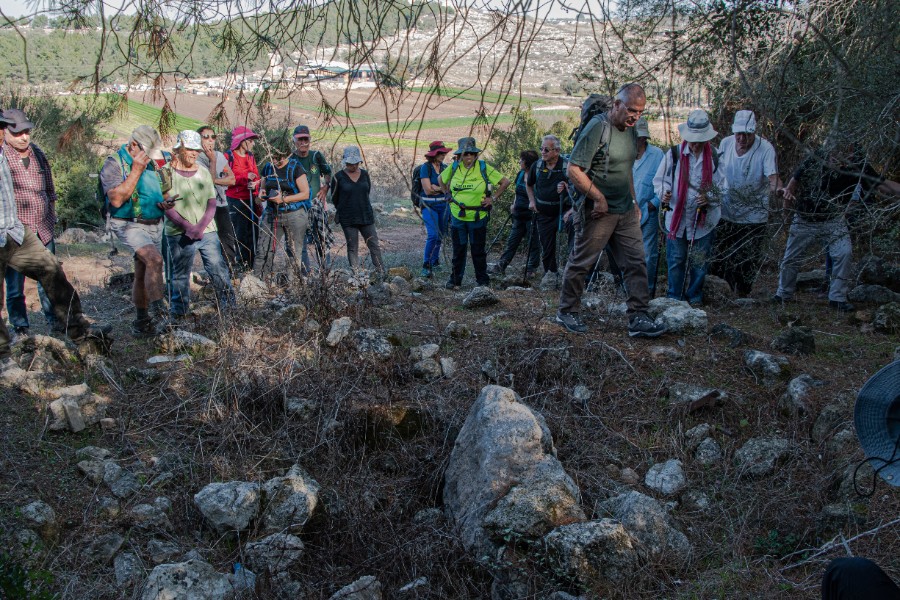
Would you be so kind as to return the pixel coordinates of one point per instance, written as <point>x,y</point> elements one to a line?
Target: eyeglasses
<point>549,149</point>
<point>634,112</point>
<point>208,136</point>
<point>301,140</point>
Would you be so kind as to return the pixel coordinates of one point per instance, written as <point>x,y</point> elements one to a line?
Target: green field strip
<point>476,96</point>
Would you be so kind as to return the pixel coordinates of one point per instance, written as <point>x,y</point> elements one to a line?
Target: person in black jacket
<point>521,223</point>
<point>351,188</point>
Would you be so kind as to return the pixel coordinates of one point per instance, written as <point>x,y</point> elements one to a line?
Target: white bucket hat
<point>352,155</point>
<point>642,127</point>
<point>744,122</point>
<point>189,140</point>
<point>698,128</point>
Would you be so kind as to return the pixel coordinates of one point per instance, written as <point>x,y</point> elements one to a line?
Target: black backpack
<point>593,105</point>
<point>415,190</point>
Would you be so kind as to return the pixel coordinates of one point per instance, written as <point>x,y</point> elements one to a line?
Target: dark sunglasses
<point>301,139</point>
<point>547,149</point>
<point>470,154</point>
<point>208,136</point>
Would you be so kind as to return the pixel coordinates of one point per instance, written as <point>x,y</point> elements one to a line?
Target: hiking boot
<point>776,299</point>
<point>93,331</point>
<point>496,269</point>
<point>841,306</point>
<point>641,325</point>
<point>426,272</point>
<point>450,285</point>
<point>144,328</point>
<point>571,321</point>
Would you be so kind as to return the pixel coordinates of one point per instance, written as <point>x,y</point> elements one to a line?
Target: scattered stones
<point>695,500</point>
<point>448,366</point>
<point>716,291</point>
<point>664,352</point>
<point>181,341</point>
<point>887,318</point>
<point>842,443</point>
<point>832,416</point>
<point>694,397</point>
<point>290,500</point>
<point>794,399</point>
<point>647,521</point>
<point>229,506</point>
<point>76,407</point>
<point>489,370</point>
<point>364,588</point>
<point>427,369</point>
<point>480,296</point>
<point>41,516</point>
<point>252,290</point>
<point>424,351</point>
<point>734,336</point>
<point>594,550</point>
<point>109,507</point>
<point>876,270</point>
<point>708,452</point>
<point>371,342</point>
<point>162,551</point>
<point>629,476</point>
<point>340,329</point>
<point>122,483</point>
<point>767,367</point>
<point>872,294</point>
<point>666,478</point>
<point>695,435</point>
<point>191,580</point>
<point>457,330</point>
<point>581,395</point>
<point>295,313</point>
<point>295,406</point>
<point>149,517</point>
<point>127,569</point>
<point>617,308</point>
<point>276,553</point>
<point>487,320</point>
<point>795,340</point>
<point>503,473</point>
<point>759,456</point>
<point>103,548</point>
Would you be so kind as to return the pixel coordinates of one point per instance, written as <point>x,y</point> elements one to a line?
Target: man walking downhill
<point>318,173</point>
<point>748,164</point>
<point>36,208</point>
<point>600,169</point>
<point>21,249</point>
<point>136,206</point>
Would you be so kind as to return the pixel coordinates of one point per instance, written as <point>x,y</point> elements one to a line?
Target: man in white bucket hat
<point>748,164</point>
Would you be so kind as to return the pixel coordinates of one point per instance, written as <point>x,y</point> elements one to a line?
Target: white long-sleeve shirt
<point>666,181</point>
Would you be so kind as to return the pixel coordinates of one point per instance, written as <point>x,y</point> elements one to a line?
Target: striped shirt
<point>9,223</point>
<point>35,193</point>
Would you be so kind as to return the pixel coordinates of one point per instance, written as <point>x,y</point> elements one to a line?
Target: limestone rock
<point>127,569</point>
<point>379,294</point>
<point>794,399</point>
<point>340,329</point>
<point>594,551</point>
<point>229,506</point>
<point>400,286</point>
<point>581,395</point>
<point>694,397</point>
<point>716,291</point>
<point>292,313</point>
<point>666,478</point>
<point>831,417</point>
<point>448,366</point>
<point>364,588</point>
<point>457,330</point>
<point>191,580</point>
<point>695,435</point>
<point>873,294</point>
<point>370,341</point>
<point>549,282</point>
<point>103,548</point>
<point>122,483</point>
<point>503,445</point>
<point>427,369</point>
<point>76,407</point>
<point>767,367</point>
<point>299,407</point>
<point>684,319</point>
<point>73,235</point>
<point>759,456</point>
<point>734,336</point>
<point>660,305</point>
<point>708,452</point>
<point>809,280</point>
<point>41,516</point>
<point>252,290</point>
<point>276,553</point>
<point>666,352</point>
<point>887,318</point>
<point>647,521</point>
<point>181,340</point>
<point>290,500</point>
<point>480,296</point>
<point>424,351</point>
<point>401,271</point>
<point>149,517</point>
<point>795,340</point>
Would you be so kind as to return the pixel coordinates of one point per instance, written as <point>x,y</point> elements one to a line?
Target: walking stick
<point>497,237</point>
<point>687,268</point>
<point>531,237</point>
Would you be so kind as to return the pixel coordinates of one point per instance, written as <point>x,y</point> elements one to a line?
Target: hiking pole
<point>687,267</point>
<point>531,236</point>
<point>593,276</point>
<point>499,233</point>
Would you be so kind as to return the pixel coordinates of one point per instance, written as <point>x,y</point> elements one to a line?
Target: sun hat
<point>642,127</point>
<point>189,140</point>
<point>240,134</point>
<point>352,155</point>
<point>877,420</point>
<point>467,144</point>
<point>744,122</point>
<point>698,128</point>
<point>301,130</point>
<point>17,120</point>
<point>149,140</point>
<point>435,148</point>
<point>5,120</point>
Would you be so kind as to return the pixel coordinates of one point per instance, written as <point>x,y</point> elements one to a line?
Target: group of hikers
<point>616,192</point>
<point>612,195</point>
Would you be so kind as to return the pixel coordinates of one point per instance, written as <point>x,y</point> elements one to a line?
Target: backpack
<point>415,190</point>
<point>593,105</point>
<point>100,194</point>
<point>564,164</point>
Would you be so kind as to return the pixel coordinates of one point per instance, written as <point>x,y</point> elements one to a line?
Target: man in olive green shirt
<point>600,169</point>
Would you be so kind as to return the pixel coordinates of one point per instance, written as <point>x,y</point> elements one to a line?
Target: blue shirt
<point>644,170</point>
<point>427,171</point>
<point>9,221</point>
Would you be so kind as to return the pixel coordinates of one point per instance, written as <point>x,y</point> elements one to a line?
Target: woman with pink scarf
<point>690,184</point>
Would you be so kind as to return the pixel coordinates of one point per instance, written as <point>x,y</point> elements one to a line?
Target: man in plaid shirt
<point>36,207</point>
<point>21,249</point>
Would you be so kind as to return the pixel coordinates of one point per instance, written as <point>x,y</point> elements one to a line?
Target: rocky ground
<point>345,439</point>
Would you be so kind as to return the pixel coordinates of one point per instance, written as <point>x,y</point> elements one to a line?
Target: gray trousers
<point>626,244</point>
<point>352,233</point>
<point>291,226</point>
<point>835,237</point>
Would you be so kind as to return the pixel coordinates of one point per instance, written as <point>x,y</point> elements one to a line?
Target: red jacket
<point>242,166</point>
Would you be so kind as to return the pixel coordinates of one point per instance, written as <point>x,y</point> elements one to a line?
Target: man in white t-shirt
<point>748,163</point>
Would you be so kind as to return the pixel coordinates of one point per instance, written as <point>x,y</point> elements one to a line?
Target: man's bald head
<point>628,106</point>
<point>630,92</point>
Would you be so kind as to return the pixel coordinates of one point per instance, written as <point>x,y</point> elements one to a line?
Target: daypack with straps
<point>563,163</point>
<point>593,105</point>
<point>482,166</point>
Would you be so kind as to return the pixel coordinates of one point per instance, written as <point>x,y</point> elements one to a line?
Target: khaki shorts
<point>137,235</point>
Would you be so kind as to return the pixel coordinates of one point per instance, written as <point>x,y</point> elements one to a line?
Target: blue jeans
<point>677,257</point>
<point>15,297</point>
<point>434,214</point>
<point>650,233</point>
<point>179,259</point>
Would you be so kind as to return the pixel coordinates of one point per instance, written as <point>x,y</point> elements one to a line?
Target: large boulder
<point>593,551</point>
<point>229,506</point>
<point>480,296</point>
<point>503,472</point>
<point>191,580</point>
<point>648,522</point>
<point>290,500</point>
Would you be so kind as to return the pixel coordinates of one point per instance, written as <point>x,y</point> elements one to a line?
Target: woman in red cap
<point>240,194</point>
<point>434,204</point>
